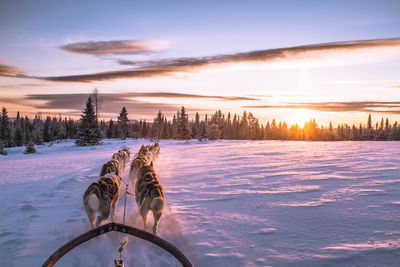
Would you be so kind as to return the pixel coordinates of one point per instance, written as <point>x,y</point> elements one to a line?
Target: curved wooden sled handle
<point>118,228</point>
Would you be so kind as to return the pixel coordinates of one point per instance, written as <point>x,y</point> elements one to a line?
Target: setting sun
<point>300,116</point>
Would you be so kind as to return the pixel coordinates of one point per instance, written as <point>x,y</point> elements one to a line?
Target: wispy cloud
<point>164,67</point>
<point>19,86</point>
<point>112,103</point>
<point>9,71</point>
<point>76,100</point>
<point>355,106</point>
<point>126,47</point>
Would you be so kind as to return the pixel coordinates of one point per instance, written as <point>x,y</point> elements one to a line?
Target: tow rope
<point>124,238</point>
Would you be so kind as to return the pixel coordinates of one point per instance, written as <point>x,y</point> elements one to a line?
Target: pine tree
<point>157,127</point>
<point>331,134</point>
<point>213,132</point>
<point>47,130</point>
<point>143,129</point>
<point>88,129</point>
<point>369,132</point>
<point>26,129</point>
<point>284,131</point>
<point>5,129</point>
<point>166,129</point>
<point>123,124</point>
<point>30,147</point>
<point>196,127</point>
<point>273,130</point>
<point>37,130</point>
<point>18,137</point>
<point>2,150</point>
<point>183,132</point>
<point>394,134</point>
<point>244,127</point>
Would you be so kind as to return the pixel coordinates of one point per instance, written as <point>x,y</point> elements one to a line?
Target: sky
<point>335,61</point>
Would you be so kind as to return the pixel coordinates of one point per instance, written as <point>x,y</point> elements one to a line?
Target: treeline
<point>20,131</point>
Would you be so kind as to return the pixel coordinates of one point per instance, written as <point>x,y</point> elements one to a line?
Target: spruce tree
<point>183,125</point>
<point>5,129</point>
<point>143,129</point>
<point>18,137</point>
<point>30,147</point>
<point>123,124</point>
<point>47,130</point>
<point>37,130</point>
<point>2,150</point>
<point>156,129</point>
<point>88,129</point>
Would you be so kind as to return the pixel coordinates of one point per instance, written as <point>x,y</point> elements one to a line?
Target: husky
<point>137,163</point>
<point>151,151</point>
<point>149,195</point>
<point>155,151</point>
<point>112,166</point>
<point>102,196</point>
<point>123,157</point>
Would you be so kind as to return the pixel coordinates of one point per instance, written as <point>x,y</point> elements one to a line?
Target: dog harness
<point>107,187</point>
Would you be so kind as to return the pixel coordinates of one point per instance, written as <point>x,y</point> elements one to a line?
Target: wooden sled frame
<point>118,228</point>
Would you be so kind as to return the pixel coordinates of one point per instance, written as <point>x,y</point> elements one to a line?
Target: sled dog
<point>111,166</point>
<point>151,151</point>
<point>136,164</point>
<point>149,195</point>
<point>102,196</point>
<point>123,157</point>
<point>155,151</point>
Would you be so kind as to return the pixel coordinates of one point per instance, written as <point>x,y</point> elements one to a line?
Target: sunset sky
<point>289,60</point>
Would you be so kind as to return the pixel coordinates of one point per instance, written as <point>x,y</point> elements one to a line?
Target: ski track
<point>228,203</point>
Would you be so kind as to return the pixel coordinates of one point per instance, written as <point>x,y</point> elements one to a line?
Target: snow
<point>228,203</point>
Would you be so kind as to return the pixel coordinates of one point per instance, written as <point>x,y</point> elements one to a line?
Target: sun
<point>300,116</point>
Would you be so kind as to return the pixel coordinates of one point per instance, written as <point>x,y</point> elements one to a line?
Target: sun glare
<point>300,116</point>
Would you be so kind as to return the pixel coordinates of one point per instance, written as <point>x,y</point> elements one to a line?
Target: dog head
<point>143,150</point>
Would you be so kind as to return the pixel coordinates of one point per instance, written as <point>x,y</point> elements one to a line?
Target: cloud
<point>21,85</point>
<point>101,48</point>
<point>112,102</point>
<point>267,55</point>
<point>356,106</point>
<point>64,99</point>
<point>9,71</point>
<point>73,104</point>
<point>165,67</point>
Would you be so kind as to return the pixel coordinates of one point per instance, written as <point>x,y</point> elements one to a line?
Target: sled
<point>122,228</point>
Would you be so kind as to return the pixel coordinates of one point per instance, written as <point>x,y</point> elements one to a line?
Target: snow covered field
<point>229,203</point>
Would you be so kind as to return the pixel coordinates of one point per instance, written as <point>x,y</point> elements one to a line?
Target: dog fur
<point>136,164</point>
<point>111,166</point>
<point>154,151</point>
<point>149,195</point>
<point>102,196</point>
<point>123,157</point>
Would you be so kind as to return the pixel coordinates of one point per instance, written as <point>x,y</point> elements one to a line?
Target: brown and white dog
<point>149,195</point>
<point>111,166</point>
<point>102,196</point>
<point>122,156</point>
<point>141,160</point>
<point>155,151</point>
<point>151,151</point>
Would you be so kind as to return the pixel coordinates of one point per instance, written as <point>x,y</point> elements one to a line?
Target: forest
<point>89,130</point>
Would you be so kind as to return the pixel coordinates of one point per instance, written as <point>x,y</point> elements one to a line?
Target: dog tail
<point>94,202</point>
